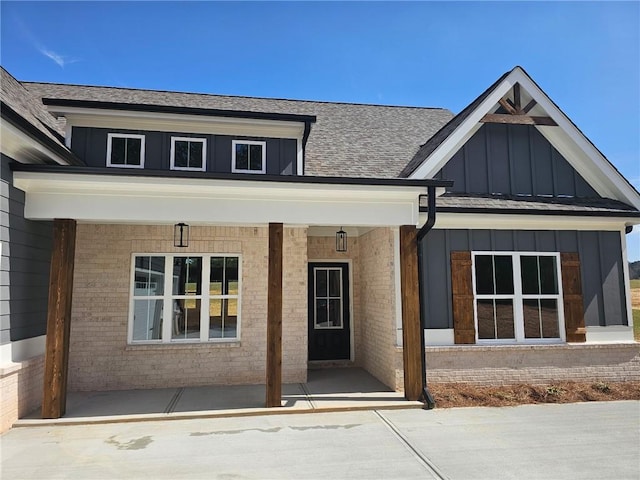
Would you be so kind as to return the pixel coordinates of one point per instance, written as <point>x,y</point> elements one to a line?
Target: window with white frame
<point>518,297</point>
<point>188,153</point>
<point>248,156</point>
<point>125,150</point>
<point>185,298</point>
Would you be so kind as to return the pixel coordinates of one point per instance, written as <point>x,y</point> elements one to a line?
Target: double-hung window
<point>248,156</point>
<point>188,153</point>
<point>125,150</point>
<point>518,297</point>
<point>185,298</point>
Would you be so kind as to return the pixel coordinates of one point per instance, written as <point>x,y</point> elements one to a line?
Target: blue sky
<point>585,55</point>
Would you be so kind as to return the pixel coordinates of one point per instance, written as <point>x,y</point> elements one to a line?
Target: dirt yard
<point>465,395</point>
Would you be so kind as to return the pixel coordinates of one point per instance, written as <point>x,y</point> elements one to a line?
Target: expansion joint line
<point>422,459</point>
<point>174,401</point>
<point>308,395</point>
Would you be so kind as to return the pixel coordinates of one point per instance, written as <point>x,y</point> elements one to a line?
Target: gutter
<point>427,398</point>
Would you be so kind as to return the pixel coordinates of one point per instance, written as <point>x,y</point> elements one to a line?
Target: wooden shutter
<point>462,292</point>
<point>572,297</point>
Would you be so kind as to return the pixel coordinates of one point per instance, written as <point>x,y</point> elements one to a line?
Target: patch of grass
<point>635,283</point>
<point>636,324</point>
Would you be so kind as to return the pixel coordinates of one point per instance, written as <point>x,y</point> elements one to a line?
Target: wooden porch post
<point>274,318</point>
<point>411,329</point>
<point>56,361</point>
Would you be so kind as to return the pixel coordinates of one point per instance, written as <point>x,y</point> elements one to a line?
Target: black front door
<point>329,323</point>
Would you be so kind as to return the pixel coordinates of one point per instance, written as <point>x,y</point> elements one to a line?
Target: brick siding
<point>21,387</point>
<point>101,359</point>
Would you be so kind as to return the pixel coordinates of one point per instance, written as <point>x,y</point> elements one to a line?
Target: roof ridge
<point>110,87</point>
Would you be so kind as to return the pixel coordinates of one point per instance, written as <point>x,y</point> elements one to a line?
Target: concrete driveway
<point>571,441</point>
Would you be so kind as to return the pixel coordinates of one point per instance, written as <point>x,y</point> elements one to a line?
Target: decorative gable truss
<point>516,99</point>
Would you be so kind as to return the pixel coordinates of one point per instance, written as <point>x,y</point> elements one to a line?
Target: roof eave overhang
<point>176,119</point>
<point>25,143</point>
<point>532,221</point>
<point>218,199</point>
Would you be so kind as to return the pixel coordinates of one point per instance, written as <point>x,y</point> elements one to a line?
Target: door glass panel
<point>334,283</point>
<point>147,319</point>
<point>321,283</point>
<point>186,318</point>
<point>335,313</point>
<point>322,320</point>
<point>504,319</point>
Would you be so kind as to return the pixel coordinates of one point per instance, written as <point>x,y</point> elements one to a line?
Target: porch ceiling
<point>221,199</point>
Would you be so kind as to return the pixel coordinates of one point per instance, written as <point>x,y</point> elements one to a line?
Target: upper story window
<point>125,150</point>
<point>248,156</point>
<point>517,297</point>
<point>188,153</point>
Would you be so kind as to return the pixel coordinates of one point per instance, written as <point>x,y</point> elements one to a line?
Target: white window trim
<point>111,136</point>
<point>248,142</point>
<point>168,298</point>
<point>189,139</point>
<point>518,297</point>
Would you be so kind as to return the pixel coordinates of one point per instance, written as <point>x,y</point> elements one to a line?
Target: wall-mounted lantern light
<point>181,235</point>
<point>341,240</point>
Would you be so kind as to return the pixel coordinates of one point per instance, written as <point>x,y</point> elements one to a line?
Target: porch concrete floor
<point>335,389</point>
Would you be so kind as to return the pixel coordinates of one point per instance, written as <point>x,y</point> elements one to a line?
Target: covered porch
<point>326,390</point>
<point>263,223</point>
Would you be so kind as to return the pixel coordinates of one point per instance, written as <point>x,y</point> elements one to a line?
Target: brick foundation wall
<point>100,358</point>
<point>324,248</point>
<point>535,364</point>
<point>21,387</point>
<point>377,293</point>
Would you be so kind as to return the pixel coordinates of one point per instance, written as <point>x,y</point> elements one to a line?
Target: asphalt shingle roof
<point>14,95</point>
<point>456,202</point>
<point>353,140</point>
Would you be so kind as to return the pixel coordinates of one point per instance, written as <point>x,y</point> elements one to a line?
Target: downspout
<point>429,403</point>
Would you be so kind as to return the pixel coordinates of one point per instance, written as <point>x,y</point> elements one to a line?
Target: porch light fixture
<point>181,235</point>
<point>341,240</point>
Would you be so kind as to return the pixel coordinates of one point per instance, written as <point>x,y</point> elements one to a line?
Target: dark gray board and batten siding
<point>513,160</point>
<point>24,265</point>
<point>90,144</point>
<point>600,257</point>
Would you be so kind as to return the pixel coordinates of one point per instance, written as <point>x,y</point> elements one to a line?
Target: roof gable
<point>566,138</point>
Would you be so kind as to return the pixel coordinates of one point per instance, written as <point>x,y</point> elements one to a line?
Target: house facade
<point>201,239</point>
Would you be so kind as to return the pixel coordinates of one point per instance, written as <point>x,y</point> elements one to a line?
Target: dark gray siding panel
<point>90,144</point>
<point>24,265</point>
<point>600,257</point>
<point>513,160</point>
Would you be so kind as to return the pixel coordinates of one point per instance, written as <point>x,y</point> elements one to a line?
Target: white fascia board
<point>476,221</point>
<point>447,149</point>
<point>18,145</point>
<point>566,138</point>
<point>129,199</point>
<point>174,122</point>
